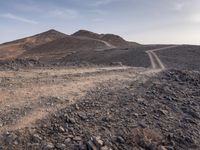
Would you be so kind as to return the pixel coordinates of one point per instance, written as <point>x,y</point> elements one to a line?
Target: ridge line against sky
<point>144,21</point>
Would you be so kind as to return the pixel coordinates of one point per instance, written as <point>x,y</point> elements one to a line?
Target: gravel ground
<point>183,57</point>
<point>161,113</point>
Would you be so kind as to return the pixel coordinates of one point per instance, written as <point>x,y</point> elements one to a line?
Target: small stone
<point>162,148</point>
<point>136,115</point>
<point>164,112</point>
<point>67,140</point>
<point>70,136</point>
<point>143,125</point>
<point>36,138</point>
<point>140,100</point>
<point>61,129</point>
<point>33,145</point>
<point>105,119</point>
<point>105,148</point>
<point>77,107</point>
<point>77,138</point>
<point>60,146</point>
<point>15,142</point>
<point>91,145</point>
<point>82,116</point>
<point>98,141</point>
<point>144,114</point>
<point>48,146</point>
<point>72,120</point>
<point>120,139</point>
<point>82,147</point>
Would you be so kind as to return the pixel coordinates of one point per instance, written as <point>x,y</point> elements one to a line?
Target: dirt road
<point>156,63</point>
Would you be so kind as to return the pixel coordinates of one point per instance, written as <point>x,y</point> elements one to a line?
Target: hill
<point>112,39</point>
<point>82,47</point>
<point>13,49</point>
<point>66,46</point>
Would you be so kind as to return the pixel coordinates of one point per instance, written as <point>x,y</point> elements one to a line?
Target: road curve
<point>156,63</point>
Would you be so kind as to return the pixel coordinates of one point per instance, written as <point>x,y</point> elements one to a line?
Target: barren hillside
<point>12,50</point>
<point>66,46</point>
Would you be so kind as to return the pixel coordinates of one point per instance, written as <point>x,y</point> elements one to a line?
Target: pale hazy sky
<point>144,21</point>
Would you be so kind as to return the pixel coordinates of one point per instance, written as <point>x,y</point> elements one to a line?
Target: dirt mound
<point>112,39</point>
<point>13,49</point>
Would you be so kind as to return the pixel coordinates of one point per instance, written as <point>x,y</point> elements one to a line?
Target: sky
<point>143,21</point>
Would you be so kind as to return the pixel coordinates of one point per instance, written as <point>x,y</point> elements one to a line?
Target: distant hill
<point>85,33</point>
<point>112,39</point>
<point>63,47</point>
<point>39,39</point>
<point>13,49</point>
<point>54,47</point>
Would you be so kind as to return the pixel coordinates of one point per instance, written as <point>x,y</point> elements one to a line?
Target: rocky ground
<point>182,57</point>
<point>139,112</point>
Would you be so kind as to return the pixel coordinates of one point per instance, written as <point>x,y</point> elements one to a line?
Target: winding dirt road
<point>156,63</point>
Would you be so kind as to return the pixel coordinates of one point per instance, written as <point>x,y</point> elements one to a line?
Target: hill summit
<point>112,39</point>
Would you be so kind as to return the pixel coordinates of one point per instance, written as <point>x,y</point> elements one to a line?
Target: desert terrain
<point>89,91</point>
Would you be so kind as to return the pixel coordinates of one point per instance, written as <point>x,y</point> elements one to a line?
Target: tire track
<point>156,63</point>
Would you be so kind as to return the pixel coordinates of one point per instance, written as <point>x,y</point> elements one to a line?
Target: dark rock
<point>91,146</point>
<point>120,139</point>
<point>143,125</point>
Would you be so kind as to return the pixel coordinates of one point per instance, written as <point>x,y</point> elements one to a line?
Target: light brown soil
<point>30,95</point>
